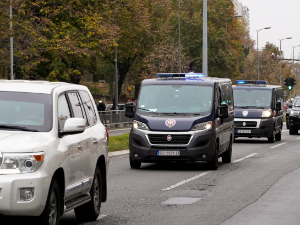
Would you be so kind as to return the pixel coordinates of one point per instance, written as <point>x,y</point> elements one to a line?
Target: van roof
<point>203,81</point>
<point>40,86</point>
<point>244,86</point>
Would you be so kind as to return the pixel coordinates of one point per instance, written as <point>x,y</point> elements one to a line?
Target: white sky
<point>283,16</point>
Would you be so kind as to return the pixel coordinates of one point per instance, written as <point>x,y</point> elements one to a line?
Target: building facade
<point>242,11</point>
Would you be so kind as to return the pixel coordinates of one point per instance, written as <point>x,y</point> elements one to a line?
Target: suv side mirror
<point>290,105</point>
<point>278,106</point>
<point>223,110</point>
<point>74,126</point>
<point>129,110</point>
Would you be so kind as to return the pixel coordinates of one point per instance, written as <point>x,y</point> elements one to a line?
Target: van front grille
<point>176,139</point>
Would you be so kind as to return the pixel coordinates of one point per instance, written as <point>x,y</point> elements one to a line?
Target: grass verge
<point>284,118</point>
<point>117,143</point>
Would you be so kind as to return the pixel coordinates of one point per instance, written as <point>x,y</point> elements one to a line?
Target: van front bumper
<point>263,128</point>
<point>10,189</point>
<point>200,146</point>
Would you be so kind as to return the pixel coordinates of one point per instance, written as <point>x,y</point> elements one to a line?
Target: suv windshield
<point>25,111</point>
<point>176,99</point>
<point>297,102</point>
<point>252,98</point>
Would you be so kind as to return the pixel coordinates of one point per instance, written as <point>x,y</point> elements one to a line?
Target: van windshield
<point>176,99</point>
<point>252,98</point>
<point>25,111</point>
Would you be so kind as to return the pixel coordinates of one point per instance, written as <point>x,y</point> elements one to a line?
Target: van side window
<point>77,106</point>
<point>89,107</point>
<point>63,111</point>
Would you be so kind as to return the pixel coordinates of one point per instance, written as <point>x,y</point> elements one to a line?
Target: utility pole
<point>116,63</point>
<point>179,44</point>
<point>204,49</point>
<point>11,45</point>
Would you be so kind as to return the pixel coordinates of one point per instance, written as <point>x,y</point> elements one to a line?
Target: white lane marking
<point>298,138</point>
<point>185,181</point>
<point>101,217</point>
<point>278,145</point>
<point>248,156</point>
<point>284,130</point>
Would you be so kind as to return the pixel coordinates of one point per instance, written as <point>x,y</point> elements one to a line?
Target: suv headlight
<point>267,113</point>
<point>139,125</point>
<point>202,126</point>
<point>13,163</point>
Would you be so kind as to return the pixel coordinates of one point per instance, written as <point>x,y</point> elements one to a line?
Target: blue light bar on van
<point>188,75</point>
<point>251,82</point>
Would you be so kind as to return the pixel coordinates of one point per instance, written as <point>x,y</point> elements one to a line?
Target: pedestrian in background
<point>101,106</point>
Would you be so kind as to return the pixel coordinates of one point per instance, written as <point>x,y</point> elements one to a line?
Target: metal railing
<point>115,118</point>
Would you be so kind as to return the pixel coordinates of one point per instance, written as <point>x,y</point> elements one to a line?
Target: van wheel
<point>91,210</point>
<point>214,164</point>
<point>226,156</point>
<point>134,164</point>
<point>50,215</point>
<point>271,139</point>
<point>278,136</point>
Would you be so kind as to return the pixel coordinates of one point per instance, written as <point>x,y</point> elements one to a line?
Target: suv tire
<point>226,156</point>
<point>278,136</point>
<point>134,164</point>
<point>271,139</point>
<point>51,213</point>
<point>214,163</point>
<point>91,210</point>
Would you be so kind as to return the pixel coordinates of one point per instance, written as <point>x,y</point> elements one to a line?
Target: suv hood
<point>181,123</point>
<point>20,142</point>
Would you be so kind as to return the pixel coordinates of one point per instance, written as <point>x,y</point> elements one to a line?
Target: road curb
<point>118,153</point>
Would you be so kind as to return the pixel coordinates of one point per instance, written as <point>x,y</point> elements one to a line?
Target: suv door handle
<point>95,141</point>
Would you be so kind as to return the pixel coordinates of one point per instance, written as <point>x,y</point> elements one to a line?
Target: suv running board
<point>78,201</point>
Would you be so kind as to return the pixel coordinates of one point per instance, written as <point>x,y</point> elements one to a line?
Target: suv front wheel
<point>91,210</point>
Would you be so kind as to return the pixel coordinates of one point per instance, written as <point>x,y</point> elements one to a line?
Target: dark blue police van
<point>258,110</point>
<point>182,117</point>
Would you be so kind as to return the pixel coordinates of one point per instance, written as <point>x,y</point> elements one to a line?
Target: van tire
<point>278,136</point>
<point>52,206</point>
<point>91,210</point>
<point>226,156</point>
<point>134,164</point>
<point>293,130</point>
<point>214,163</point>
<point>271,139</point>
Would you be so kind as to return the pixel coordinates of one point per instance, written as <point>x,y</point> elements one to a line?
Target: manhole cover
<point>180,201</point>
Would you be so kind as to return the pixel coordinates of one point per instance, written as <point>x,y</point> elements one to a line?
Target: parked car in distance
<point>54,151</point>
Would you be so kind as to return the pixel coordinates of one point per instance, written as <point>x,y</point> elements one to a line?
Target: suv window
<point>77,106</point>
<point>63,111</point>
<point>89,107</point>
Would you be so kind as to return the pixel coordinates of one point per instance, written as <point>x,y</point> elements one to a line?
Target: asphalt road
<point>260,186</point>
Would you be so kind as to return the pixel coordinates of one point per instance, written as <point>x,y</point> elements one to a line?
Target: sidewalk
<point>279,205</point>
<point>118,153</point>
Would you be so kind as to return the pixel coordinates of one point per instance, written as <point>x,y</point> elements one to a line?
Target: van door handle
<point>95,141</point>
<point>79,147</point>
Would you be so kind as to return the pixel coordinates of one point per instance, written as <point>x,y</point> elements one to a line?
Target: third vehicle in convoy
<point>258,110</point>
<point>294,116</point>
<point>182,117</point>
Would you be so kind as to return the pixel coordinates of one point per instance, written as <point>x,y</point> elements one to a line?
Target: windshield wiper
<point>18,128</point>
<point>147,110</point>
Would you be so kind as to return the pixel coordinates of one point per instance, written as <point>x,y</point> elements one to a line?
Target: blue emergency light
<point>182,75</point>
<point>251,82</point>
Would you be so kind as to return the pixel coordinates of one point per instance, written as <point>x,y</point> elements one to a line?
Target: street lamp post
<point>116,63</point>
<point>204,48</point>
<point>179,44</point>
<point>11,45</point>
<point>280,55</point>
<point>294,61</point>
<point>257,50</point>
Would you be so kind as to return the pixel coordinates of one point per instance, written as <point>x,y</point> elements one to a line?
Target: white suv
<point>54,151</point>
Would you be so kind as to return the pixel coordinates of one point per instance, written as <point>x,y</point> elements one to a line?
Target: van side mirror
<point>223,110</point>
<point>290,105</point>
<point>278,106</point>
<point>129,107</point>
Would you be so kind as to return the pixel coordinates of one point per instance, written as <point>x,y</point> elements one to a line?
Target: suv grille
<point>245,123</point>
<point>177,139</point>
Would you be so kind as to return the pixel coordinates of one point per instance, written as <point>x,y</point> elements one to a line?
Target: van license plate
<point>167,153</point>
<point>244,131</point>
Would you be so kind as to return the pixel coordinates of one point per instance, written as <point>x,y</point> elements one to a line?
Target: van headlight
<point>267,113</point>
<point>202,126</point>
<point>139,125</point>
<point>13,163</point>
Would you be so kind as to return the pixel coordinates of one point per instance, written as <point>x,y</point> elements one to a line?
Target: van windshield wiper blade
<point>18,128</point>
<point>147,110</point>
